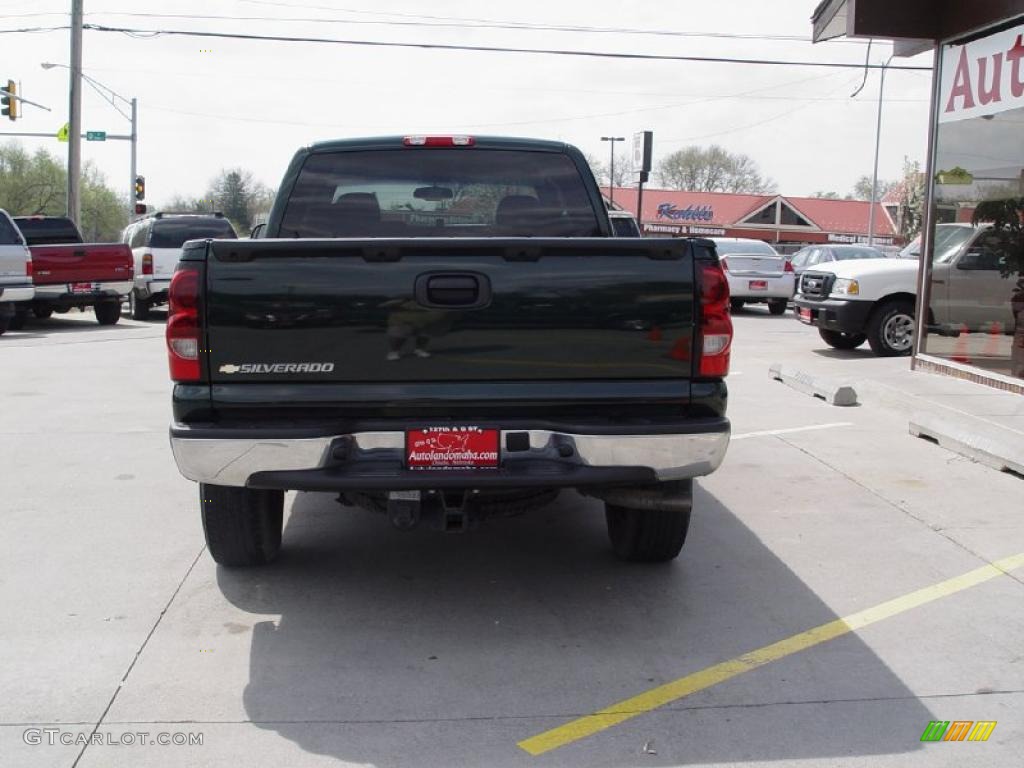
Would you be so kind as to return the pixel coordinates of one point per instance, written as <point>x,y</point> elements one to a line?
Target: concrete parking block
<point>822,387</point>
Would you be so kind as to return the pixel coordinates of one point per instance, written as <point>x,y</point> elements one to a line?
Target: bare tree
<point>712,169</point>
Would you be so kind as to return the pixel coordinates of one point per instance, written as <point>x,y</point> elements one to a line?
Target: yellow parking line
<point>726,670</point>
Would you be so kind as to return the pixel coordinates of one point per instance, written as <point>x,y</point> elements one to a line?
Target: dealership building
<point>786,222</point>
<point>970,308</point>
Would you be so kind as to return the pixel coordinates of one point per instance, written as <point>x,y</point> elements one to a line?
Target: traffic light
<point>140,187</point>
<point>10,101</point>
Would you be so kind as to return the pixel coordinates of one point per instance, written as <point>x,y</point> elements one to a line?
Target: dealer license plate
<point>451,448</point>
<point>758,285</point>
<point>804,314</point>
<point>80,288</point>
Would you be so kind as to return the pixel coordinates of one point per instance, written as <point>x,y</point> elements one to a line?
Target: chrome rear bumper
<point>377,456</point>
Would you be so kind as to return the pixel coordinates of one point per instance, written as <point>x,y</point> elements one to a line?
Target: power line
<point>452,21</point>
<point>34,29</point>
<point>544,27</point>
<point>144,33</point>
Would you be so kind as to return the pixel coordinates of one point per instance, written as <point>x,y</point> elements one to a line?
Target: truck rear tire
<point>107,312</point>
<point>5,323</point>
<point>42,312</point>
<point>891,328</point>
<point>242,525</point>
<point>777,306</point>
<point>139,307</point>
<point>17,321</point>
<point>735,305</point>
<point>840,340</point>
<point>646,535</point>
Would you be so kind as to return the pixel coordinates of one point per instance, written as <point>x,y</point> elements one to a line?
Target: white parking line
<point>770,432</point>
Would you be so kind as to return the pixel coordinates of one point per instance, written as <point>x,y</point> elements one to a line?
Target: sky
<point>209,103</point>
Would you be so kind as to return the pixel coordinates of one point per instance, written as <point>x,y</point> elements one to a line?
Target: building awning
<point>829,20</point>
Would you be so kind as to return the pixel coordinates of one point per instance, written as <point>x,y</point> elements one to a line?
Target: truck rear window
<point>172,233</point>
<point>439,193</point>
<point>47,231</point>
<point>8,234</point>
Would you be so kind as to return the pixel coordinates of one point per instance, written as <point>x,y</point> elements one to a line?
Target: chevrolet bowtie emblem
<point>229,368</point>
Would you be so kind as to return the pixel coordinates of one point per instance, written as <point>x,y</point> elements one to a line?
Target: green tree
<point>910,213</point>
<point>713,169</point>
<point>240,197</point>
<point>36,184</point>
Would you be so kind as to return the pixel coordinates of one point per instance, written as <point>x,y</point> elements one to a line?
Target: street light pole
<point>111,96</point>
<point>74,207</point>
<point>611,169</point>
<point>874,173</point>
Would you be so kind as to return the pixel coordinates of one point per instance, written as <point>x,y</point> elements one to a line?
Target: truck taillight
<point>715,322</point>
<point>28,266</point>
<point>183,332</point>
<point>439,141</point>
<point>147,263</point>
<point>788,267</point>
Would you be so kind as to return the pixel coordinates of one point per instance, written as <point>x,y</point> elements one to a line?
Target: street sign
<point>95,135</point>
<point>642,142</point>
<point>62,134</point>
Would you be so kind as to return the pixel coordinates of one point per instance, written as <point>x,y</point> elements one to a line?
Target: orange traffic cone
<point>681,349</point>
<point>991,348</point>
<point>654,334</point>
<point>960,348</point>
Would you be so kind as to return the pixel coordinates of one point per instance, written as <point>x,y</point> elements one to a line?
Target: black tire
<point>139,307</point>
<point>646,535</point>
<point>107,312</point>
<point>889,332</point>
<point>242,525</point>
<point>18,320</point>
<point>839,340</point>
<point>5,323</point>
<point>735,305</point>
<point>777,306</point>
<point>42,312</point>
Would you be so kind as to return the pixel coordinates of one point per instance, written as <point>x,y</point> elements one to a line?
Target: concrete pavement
<point>364,645</point>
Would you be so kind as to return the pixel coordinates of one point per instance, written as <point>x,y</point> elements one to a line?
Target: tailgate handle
<point>450,290</point>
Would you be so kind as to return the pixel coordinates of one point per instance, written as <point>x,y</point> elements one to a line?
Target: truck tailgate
<point>448,310</point>
<point>77,262</point>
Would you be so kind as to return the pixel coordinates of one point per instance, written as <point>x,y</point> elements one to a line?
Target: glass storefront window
<point>976,309</point>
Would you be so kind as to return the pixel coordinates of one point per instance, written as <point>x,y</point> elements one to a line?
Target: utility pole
<point>611,169</point>
<point>75,114</point>
<point>135,140</point>
<point>874,173</point>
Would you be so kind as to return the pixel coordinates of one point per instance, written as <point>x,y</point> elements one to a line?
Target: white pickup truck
<point>15,270</point>
<point>873,300</point>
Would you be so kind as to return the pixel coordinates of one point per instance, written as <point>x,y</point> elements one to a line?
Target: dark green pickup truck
<point>444,328</point>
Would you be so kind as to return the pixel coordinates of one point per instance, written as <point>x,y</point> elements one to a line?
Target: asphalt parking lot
<point>364,645</point>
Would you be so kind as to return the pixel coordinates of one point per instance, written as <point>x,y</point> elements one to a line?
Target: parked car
<point>68,273</point>
<point>156,242</point>
<point>15,270</point>
<point>624,224</point>
<point>396,400</point>
<point>813,255</point>
<point>757,273</point>
<point>873,300</point>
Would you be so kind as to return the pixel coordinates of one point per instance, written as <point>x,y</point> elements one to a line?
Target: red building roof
<point>721,209</point>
